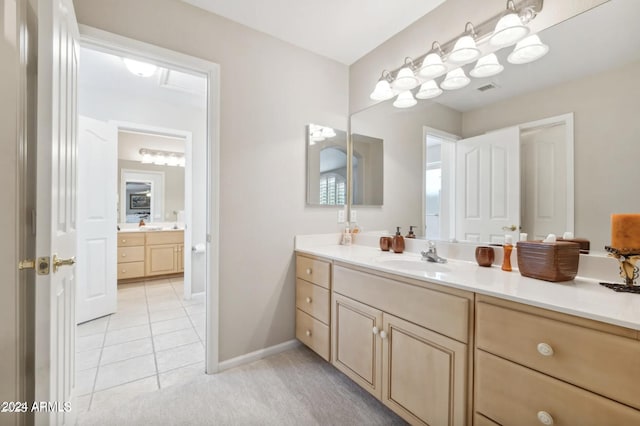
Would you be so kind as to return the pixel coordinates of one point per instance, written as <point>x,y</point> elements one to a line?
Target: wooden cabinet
<point>419,373</point>
<point>164,253</point>
<point>143,254</point>
<point>538,366</point>
<point>130,255</point>
<point>313,284</point>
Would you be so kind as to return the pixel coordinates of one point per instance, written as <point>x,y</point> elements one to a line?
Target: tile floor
<point>155,340</point>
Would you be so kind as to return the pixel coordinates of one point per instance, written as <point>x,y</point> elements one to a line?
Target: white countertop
<point>582,297</point>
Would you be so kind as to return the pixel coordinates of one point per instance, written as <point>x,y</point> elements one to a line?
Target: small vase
<point>385,243</point>
<point>485,255</point>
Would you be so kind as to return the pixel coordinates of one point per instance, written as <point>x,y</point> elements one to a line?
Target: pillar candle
<point>625,231</point>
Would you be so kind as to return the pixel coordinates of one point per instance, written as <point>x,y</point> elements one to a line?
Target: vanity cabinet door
<point>161,259</point>
<point>357,348</point>
<point>180,257</point>
<point>424,374</point>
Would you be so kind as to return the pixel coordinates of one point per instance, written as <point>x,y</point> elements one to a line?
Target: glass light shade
<point>405,80</point>
<point>160,160</point>
<point>147,158</point>
<point>429,90</point>
<point>432,66</point>
<point>509,30</point>
<point>487,66</point>
<point>328,132</point>
<point>464,50</point>
<point>182,162</point>
<point>405,100</point>
<point>173,160</point>
<point>382,92</point>
<point>141,69</point>
<point>455,79</point>
<point>528,50</point>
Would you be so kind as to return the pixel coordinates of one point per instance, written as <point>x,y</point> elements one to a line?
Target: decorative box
<point>548,261</point>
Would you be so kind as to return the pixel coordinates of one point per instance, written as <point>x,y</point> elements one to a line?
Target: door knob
<point>57,262</point>
<point>509,228</point>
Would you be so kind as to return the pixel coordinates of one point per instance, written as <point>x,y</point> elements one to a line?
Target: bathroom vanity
<point>150,253</point>
<point>459,344</point>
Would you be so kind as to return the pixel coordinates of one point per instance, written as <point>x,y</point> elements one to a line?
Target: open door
<point>488,186</point>
<point>58,52</point>
<point>97,219</point>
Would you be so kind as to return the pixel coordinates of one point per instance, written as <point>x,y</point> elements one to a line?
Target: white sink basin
<point>417,265</point>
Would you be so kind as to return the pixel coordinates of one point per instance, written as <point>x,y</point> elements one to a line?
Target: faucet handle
<point>432,244</point>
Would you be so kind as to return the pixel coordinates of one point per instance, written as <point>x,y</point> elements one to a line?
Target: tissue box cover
<point>548,261</point>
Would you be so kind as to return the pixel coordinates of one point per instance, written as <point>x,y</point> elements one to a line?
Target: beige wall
<point>442,24</point>
<point>402,132</point>
<point>269,91</point>
<point>606,129</point>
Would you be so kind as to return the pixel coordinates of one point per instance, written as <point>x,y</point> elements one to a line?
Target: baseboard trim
<point>257,355</point>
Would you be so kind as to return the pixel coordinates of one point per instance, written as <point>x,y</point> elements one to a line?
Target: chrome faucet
<point>431,254</point>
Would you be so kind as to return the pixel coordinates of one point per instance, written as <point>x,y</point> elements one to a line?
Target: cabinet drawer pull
<point>545,350</point>
<point>383,334</point>
<point>124,241</point>
<point>308,271</point>
<point>375,330</point>
<point>124,271</point>
<point>545,418</point>
<point>124,254</point>
<point>308,300</point>
<point>308,333</point>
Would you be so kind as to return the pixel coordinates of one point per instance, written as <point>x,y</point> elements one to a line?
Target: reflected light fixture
<point>405,100</point>
<point>486,66</point>
<point>406,78</point>
<point>141,69</point>
<point>455,79</point>
<point>432,65</point>
<point>383,91</point>
<point>528,50</point>
<point>319,133</point>
<point>429,90</point>
<point>161,158</point>
<point>509,28</point>
<point>465,49</point>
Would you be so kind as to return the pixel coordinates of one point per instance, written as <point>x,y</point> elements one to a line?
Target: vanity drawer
<point>128,239</point>
<point>312,333</point>
<point>312,270</point>
<point>165,237</point>
<point>313,300</point>
<point>130,254</point>
<point>130,270</point>
<point>601,362</point>
<point>511,394</point>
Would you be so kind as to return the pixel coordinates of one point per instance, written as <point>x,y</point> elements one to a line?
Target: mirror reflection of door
<point>138,201</point>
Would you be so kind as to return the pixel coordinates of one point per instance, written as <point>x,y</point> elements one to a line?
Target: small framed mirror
<point>326,166</point>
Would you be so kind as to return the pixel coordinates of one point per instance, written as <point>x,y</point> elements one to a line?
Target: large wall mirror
<point>572,121</point>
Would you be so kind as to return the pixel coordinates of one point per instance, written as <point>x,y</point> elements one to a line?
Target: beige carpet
<point>292,388</point>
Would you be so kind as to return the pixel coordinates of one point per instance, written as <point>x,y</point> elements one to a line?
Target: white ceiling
<point>344,30</point>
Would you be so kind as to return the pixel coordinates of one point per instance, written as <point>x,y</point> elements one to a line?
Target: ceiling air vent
<point>486,87</point>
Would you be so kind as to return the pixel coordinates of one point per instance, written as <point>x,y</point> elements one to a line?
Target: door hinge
<point>41,265</point>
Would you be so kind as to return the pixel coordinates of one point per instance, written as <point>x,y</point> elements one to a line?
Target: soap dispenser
<point>507,247</point>
<point>397,244</point>
<point>410,234</point>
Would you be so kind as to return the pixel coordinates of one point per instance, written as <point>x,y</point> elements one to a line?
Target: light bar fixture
<point>477,43</point>
<point>162,158</point>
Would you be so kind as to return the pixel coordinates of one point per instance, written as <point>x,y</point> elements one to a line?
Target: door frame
<point>450,180</point>
<point>122,46</point>
<point>188,186</point>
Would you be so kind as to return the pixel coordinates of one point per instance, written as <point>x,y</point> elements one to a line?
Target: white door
<point>56,209</point>
<point>488,186</point>
<point>544,206</point>
<point>97,219</point>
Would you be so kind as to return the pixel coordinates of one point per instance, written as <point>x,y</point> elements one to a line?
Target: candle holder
<point>629,271</point>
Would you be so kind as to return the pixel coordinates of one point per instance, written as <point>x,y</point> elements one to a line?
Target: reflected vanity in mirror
<point>326,166</point>
<point>592,101</point>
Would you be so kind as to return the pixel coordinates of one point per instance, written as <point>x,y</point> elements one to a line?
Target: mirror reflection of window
<point>333,176</point>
